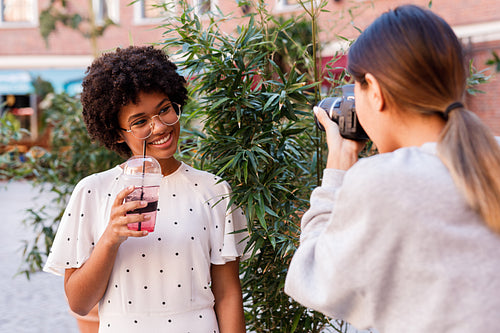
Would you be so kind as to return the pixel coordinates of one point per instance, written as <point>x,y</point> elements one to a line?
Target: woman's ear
<point>375,93</point>
<point>120,139</point>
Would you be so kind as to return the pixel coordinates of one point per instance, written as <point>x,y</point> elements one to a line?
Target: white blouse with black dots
<point>161,282</point>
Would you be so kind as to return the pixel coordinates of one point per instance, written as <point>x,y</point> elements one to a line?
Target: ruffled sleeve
<point>229,233</point>
<point>73,242</point>
<point>84,218</point>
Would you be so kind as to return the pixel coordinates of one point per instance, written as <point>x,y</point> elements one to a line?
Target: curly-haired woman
<point>184,276</point>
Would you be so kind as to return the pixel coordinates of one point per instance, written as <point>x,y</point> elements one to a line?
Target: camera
<point>342,111</point>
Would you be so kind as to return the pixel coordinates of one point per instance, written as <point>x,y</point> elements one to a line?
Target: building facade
<point>64,56</point>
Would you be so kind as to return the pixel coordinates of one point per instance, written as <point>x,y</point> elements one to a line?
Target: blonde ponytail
<point>472,155</point>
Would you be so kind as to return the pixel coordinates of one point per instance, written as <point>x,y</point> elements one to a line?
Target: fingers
<point>127,212</point>
<point>123,225</point>
<point>323,118</point>
<point>122,195</point>
<point>121,208</point>
<point>119,219</point>
<point>118,231</point>
<point>331,128</point>
<point>342,153</point>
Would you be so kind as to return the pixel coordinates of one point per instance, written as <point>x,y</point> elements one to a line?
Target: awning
<point>15,83</point>
<point>19,82</point>
<point>62,79</point>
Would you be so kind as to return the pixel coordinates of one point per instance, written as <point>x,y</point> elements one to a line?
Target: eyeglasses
<point>142,127</point>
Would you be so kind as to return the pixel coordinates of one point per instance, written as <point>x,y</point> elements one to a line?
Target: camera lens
<point>329,104</point>
<point>342,111</point>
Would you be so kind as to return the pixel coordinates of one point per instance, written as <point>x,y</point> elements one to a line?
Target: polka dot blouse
<point>161,282</point>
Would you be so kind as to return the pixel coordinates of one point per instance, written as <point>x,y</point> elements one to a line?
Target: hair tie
<point>451,107</point>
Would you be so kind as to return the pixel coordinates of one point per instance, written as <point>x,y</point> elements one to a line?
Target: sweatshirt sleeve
<point>322,201</point>
<point>330,269</point>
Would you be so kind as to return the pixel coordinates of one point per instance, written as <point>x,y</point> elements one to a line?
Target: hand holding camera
<point>342,153</point>
<point>343,112</point>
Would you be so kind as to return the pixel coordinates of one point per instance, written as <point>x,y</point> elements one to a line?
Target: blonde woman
<point>407,240</point>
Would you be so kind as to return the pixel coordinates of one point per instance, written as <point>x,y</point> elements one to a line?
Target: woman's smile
<point>162,141</point>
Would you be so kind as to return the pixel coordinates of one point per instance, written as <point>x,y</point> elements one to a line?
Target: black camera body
<point>342,111</point>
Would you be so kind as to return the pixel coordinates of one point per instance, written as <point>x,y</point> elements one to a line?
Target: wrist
<point>341,163</point>
<point>109,243</point>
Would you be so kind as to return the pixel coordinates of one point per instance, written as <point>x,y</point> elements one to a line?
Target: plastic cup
<point>144,173</point>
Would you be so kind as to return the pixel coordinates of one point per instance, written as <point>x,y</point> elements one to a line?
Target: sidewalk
<point>37,305</point>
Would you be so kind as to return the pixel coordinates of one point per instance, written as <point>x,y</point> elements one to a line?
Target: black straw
<point>139,227</point>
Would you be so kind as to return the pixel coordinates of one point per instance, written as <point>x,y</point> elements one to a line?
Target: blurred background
<point>47,46</point>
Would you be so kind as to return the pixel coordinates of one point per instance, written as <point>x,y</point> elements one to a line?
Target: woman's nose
<point>154,121</point>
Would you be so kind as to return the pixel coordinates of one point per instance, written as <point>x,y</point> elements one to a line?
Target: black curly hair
<point>115,79</point>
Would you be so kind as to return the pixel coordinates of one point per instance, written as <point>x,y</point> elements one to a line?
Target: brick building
<point>63,59</point>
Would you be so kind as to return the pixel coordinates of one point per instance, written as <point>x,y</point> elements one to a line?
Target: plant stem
<point>317,92</point>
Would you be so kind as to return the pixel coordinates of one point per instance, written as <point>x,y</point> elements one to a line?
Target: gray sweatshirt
<point>392,245</point>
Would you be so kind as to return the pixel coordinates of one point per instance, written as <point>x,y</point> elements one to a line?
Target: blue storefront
<point>18,96</point>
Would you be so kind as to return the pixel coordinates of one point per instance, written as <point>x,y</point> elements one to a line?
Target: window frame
<point>282,7</point>
<point>113,12</point>
<point>197,4</point>
<point>31,23</point>
<point>139,19</point>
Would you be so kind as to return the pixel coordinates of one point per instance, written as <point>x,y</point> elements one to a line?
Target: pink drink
<point>149,194</point>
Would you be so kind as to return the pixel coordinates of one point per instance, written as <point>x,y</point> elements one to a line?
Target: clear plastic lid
<point>137,165</point>
<point>133,172</point>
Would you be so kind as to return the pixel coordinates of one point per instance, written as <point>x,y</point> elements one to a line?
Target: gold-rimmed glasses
<point>142,127</point>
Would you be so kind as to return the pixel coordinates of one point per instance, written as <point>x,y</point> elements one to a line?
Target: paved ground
<point>26,306</point>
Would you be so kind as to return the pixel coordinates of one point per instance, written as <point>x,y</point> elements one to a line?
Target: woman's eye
<point>138,123</point>
<point>165,110</point>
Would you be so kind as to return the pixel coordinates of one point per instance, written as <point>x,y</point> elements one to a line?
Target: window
<point>203,7</point>
<point>152,11</point>
<point>18,13</point>
<point>290,5</point>
<point>105,10</point>
<point>290,2</point>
